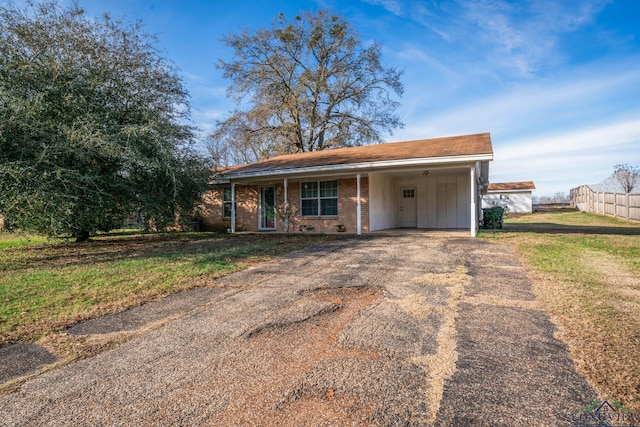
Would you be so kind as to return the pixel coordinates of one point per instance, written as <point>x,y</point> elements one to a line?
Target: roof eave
<point>521,190</point>
<point>360,167</point>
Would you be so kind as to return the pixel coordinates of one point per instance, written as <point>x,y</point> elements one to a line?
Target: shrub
<point>492,217</point>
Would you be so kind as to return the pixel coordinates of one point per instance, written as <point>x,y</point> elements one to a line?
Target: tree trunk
<point>82,236</point>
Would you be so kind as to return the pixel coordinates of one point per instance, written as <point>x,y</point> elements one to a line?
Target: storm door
<point>267,208</point>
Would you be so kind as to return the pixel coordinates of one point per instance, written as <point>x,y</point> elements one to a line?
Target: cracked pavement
<point>378,330</point>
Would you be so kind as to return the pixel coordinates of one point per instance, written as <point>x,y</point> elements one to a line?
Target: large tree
<point>309,84</point>
<point>92,124</point>
<point>627,175</point>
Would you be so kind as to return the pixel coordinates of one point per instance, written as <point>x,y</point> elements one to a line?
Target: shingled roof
<point>454,146</point>
<point>512,186</point>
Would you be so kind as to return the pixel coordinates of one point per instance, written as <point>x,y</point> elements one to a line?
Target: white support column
<point>474,197</point>
<point>285,208</point>
<point>285,190</point>
<point>233,207</point>
<point>358,208</point>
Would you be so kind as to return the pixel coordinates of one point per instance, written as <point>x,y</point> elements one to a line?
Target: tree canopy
<point>308,84</point>
<point>627,175</point>
<point>92,124</point>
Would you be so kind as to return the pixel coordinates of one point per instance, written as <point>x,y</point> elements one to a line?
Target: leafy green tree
<point>310,84</point>
<point>92,124</point>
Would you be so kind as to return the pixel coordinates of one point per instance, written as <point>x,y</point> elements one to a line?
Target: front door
<point>267,208</point>
<point>408,207</point>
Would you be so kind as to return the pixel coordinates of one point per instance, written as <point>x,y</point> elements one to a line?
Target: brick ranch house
<point>427,184</point>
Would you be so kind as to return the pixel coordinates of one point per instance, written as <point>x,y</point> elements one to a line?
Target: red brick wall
<point>247,206</point>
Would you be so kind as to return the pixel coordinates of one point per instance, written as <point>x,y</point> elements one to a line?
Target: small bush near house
<point>492,217</point>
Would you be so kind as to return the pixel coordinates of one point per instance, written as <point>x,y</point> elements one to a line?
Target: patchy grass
<point>569,221</point>
<point>585,270</point>
<point>9,240</point>
<point>442,365</point>
<point>48,285</point>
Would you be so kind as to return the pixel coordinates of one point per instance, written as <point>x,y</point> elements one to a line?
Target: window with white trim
<point>226,202</point>
<point>319,198</point>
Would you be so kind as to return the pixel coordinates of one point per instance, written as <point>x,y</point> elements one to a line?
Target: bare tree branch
<point>311,85</point>
<point>628,176</point>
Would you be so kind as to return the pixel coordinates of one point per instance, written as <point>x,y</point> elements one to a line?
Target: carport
<point>424,184</point>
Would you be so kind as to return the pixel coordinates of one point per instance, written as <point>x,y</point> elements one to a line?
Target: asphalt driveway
<point>384,330</point>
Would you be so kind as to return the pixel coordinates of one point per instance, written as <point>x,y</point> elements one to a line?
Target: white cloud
<point>518,39</point>
<point>559,161</point>
<point>568,16</point>
<point>560,133</point>
<point>193,77</point>
<point>391,6</point>
<point>601,139</point>
<point>213,91</point>
<point>526,42</point>
<point>428,17</point>
<point>211,113</point>
<point>413,54</point>
<point>513,111</point>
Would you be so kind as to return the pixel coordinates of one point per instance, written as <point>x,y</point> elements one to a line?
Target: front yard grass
<point>585,269</point>
<point>48,285</point>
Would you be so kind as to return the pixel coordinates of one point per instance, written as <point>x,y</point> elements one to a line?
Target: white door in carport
<point>408,207</point>
<point>452,206</point>
<point>447,204</point>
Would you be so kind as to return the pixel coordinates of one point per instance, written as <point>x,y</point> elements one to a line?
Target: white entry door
<point>408,207</point>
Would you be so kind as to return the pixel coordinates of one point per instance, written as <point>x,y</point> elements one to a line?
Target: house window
<point>409,193</point>
<point>319,198</point>
<point>504,197</point>
<point>226,202</point>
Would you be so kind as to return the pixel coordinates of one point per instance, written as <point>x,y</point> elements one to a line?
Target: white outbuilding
<point>517,196</point>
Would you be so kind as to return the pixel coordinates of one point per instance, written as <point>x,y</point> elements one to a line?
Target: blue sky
<point>557,83</point>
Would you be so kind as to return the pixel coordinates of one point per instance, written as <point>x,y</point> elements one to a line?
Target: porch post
<point>233,207</point>
<point>474,196</point>
<point>285,208</point>
<point>285,191</point>
<point>358,208</point>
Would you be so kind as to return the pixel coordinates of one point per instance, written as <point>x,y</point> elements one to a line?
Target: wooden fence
<point>618,205</point>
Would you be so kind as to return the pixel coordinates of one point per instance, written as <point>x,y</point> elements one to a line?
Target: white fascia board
<point>508,191</point>
<point>364,167</point>
<point>218,181</point>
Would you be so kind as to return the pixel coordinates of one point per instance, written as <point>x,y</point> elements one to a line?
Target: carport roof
<point>449,149</point>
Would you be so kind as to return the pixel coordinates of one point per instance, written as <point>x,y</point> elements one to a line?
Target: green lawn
<point>9,240</point>
<point>585,269</point>
<point>47,285</point>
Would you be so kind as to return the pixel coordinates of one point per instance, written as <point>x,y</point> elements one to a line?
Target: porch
<point>431,184</point>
